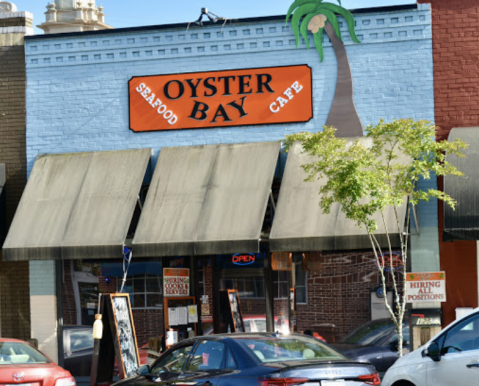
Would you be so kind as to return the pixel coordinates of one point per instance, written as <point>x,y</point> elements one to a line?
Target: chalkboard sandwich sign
<point>118,342</point>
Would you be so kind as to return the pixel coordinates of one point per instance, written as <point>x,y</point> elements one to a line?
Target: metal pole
<point>268,278</point>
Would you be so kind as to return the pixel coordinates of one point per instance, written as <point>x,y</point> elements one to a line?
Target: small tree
<point>366,180</point>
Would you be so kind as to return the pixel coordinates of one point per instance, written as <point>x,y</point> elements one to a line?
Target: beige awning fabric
<point>300,225</point>
<point>207,200</point>
<point>462,222</point>
<point>77,206</point>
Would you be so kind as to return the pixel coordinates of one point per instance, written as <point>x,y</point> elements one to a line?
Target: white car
<point>450,358</point>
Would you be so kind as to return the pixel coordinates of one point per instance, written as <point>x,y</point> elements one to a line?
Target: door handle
<point>471,365</point>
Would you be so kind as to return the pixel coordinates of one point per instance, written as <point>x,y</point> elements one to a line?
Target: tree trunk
<point>343,115</point>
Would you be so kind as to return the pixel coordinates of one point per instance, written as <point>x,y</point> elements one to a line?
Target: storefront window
<point>145,290</point>
<point>301,284</point>
<point>251,287</point>
<point>280,284</point>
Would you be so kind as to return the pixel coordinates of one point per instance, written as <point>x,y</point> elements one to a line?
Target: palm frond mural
<point>317,16</point>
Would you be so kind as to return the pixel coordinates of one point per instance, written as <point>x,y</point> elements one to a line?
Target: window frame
<point>145,293</point>
<point>277,283</point>
<point>223,279</point>
<point>305,286</point>
<point>473,318</point>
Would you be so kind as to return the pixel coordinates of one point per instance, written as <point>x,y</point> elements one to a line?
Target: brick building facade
<point>14,277</point>
<point>455,34</point>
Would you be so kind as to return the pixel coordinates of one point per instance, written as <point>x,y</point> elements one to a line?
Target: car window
<point>19,353</point>
<point>261,325</point>
<point>230,360</point>
<point>405,336</point>
<point>462,337</point>
<point>172,362</point>
<point>209,355</point>
<point>369,333</point>
<point>81,339</point>
<point>289,349</point>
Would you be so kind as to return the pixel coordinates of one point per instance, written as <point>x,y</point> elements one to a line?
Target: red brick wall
<point>339,294</point>
<point>455,29</point>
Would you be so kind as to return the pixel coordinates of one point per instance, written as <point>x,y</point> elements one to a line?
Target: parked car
<point>450,358</point>
<point>21,363</point>
<point>263,359</point>
<point>375,342</point>
<point>78,350</point>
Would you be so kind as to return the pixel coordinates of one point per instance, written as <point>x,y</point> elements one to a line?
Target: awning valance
<point>462,223</point>
<point>299,224</point>
<point>77,205</point>
<point>207,200</point>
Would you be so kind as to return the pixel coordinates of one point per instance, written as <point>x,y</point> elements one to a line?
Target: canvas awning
<point>462,223</point>
<point>207,200</point>
<point>299,224</point>
<point>77,205</point>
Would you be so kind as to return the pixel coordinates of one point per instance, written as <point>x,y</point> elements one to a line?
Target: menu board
<point>125,333</point>
<point>236,312</point>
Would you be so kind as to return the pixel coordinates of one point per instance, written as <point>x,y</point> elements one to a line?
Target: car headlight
<point>69,381</point>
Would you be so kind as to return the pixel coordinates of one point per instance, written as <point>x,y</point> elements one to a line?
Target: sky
<point>132,13</point>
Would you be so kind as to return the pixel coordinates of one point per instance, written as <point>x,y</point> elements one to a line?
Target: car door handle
<point>471,365</point>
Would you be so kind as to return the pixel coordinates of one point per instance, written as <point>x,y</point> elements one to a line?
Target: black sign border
<point>220,127</point>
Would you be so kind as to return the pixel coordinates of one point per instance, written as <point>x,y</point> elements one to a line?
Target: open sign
<point>243,259</point>
<point>388,260</point>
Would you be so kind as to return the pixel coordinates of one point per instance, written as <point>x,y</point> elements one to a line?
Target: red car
<point>24,365</point>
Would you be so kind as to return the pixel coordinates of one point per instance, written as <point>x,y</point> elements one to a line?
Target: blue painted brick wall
<point>77,86</point>
<point>42,278</point>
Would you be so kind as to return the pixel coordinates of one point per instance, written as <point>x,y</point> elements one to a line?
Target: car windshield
<point>369,333</point>
<point>288,349</point>
<point>20,353</point>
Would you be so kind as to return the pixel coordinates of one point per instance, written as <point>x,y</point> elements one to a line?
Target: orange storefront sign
<point>223,98</point>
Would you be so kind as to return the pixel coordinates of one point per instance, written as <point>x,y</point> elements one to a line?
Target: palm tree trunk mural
<point>320,16</point>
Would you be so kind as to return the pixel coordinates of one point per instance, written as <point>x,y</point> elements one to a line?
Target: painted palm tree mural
<point>319,16</point>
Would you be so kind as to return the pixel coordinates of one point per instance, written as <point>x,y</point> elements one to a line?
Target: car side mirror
<point>144,370</point>
<point>433,352</point>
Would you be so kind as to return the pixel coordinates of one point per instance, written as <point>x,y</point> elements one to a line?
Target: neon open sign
<point>243,259</point>
<point>393,260</point>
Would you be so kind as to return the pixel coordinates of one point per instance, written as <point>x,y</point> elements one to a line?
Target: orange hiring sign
<point>223,98</point>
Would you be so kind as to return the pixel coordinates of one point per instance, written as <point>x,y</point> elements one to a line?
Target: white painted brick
<point>44,324</point>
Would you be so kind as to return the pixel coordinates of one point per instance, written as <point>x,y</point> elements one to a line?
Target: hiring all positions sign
<point>426,287</point>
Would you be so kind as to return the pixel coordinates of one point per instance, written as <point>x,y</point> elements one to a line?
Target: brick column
<point>14,293</point>
<point>455,31</point>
